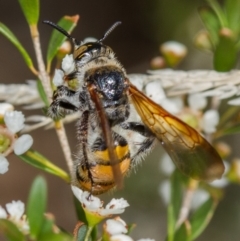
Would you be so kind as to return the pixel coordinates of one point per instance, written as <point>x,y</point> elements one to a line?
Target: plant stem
<point>43,76</point>
<point>64,144</point>
<point>45,79</point>
<point>186,204</point>
<point>88,234</point>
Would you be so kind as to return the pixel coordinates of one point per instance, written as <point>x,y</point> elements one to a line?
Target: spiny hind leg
<point>65,101</point>
<point>146,146</point>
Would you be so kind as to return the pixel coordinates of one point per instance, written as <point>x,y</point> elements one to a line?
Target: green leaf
<point>36,206</point>
<point>30,10</point>
<point>225,55</point>
<point>36,159</point>
<point>48,231</point>
<point>219,12</point>
<point>82,232</point>
<point>232,8</point>
<point>79,210</point>
<point>231,130</point>
<point>183,233</point>
<point>56,237</point>
<point>42,93</point>
<point>175,203</point>
<point>201,218</point>
<point>10,231</point>
<point>12,38</point>
<point>68,23</point>
<point>211,23</point>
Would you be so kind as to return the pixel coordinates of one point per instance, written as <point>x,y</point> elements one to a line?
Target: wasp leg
<point>137,127</point>
<point>146,146</point>
<point>65,101</point>
<point>83,174</point>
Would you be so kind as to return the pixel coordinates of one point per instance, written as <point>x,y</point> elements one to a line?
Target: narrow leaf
<point>219,12</point>
<point>12,38</point>
<point>10,231</point>
<point>36,159</point>
<point>211,23</point>
<point>232,8</point>
<point>56,237</point>
<point>175,203</point>
<point>231,130</point>
<point>202,217</point>
<point>42,93</point>
<point>79,211</point>
<point>183,233</point>
<point>81,233</point>
<point>30,10</point>
<point>68,23</point>
<point>36,206</point>
<point>225,55</point>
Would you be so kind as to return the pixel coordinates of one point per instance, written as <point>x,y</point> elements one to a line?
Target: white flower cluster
<point>68,67</point>
<point>95,205</point>
<point>9,140</point>
<point>117,230</point>
<point>15,213</point>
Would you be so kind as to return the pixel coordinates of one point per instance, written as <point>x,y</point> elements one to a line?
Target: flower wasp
<point>118,125</point>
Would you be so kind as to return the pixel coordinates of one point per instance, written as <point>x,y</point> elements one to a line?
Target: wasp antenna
<point>63,31</point>
<point>110,30</point>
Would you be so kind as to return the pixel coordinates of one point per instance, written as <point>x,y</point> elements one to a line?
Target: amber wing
<point>191,153</point>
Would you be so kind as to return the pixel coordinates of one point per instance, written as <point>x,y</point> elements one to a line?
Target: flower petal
<point>3,164</point>
<point>58,77</point>
<point>3,213</point>
<point>4,107</point>
<point>155,91</point>
<point>210,121</point>
<point>14,121</point>
<point>15,209</point>
<point>22,144</point>
<point>114,227</point>
<point>68,64</point>
<point>121,237</point>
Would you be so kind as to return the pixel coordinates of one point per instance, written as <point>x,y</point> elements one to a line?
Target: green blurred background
<point>146,24</point>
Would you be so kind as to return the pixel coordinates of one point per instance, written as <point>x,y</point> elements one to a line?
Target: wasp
<point>118,125</point>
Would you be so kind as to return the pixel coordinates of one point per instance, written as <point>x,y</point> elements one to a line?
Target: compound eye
<point>86,57</point>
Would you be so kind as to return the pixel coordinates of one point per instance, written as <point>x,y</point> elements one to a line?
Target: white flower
<point>114,227</point>
<point>15,209</point>
<point>166,164</point>
<point>199,197</point>
<point>3,165</point>
<point>120,237</point>
<point>155,91</point>
<point>197,101</point>
<point>16,215</point>
<point>235,101</point>
<point>19,94</point>
<point>3,213</point>
<point>210,121</point>
<point>164,191</point>
<point>174,47</point>
<point>172,105</point>
<point>68,64</point>
<point>4,107</point>
<point>94,204</point>
<point>14,121</point>
<point>58,77</point>
<point>116,206</point>
<point>22,144</point>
